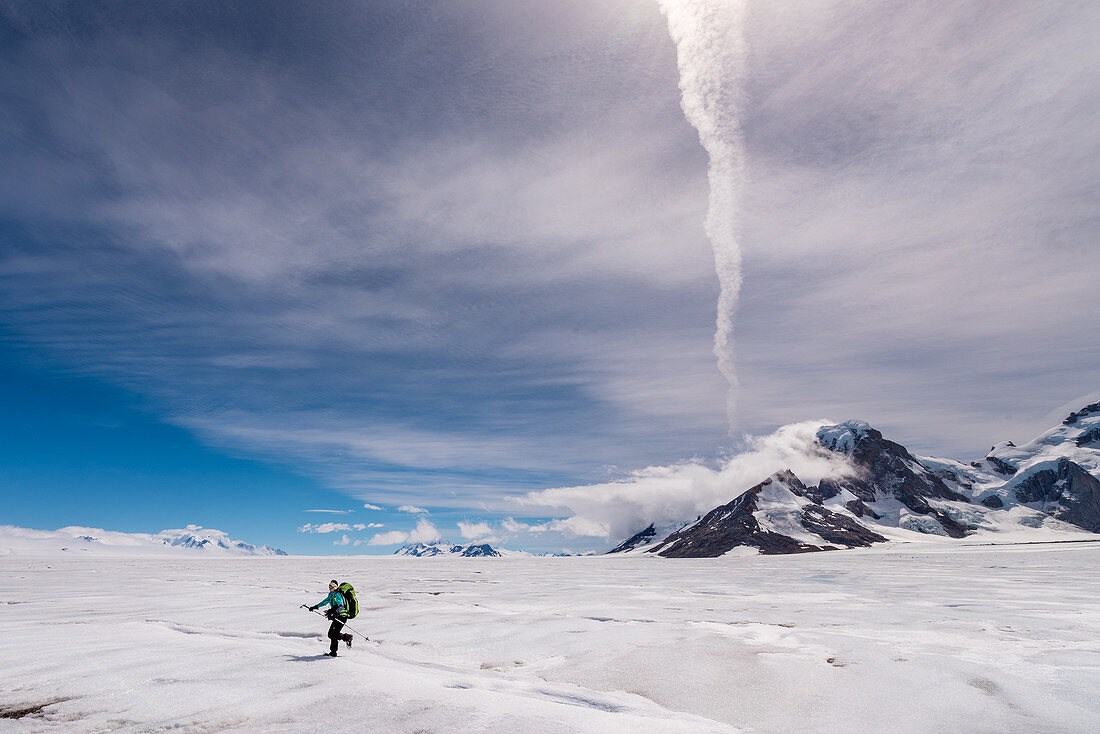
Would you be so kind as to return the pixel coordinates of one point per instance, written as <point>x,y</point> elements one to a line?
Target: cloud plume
<point>667,494</point>
<point>711,56</point>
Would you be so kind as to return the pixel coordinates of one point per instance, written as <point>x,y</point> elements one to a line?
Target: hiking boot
<point>330,654</point>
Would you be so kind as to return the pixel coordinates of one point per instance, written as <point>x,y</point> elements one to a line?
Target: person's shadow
<point>304,658</point>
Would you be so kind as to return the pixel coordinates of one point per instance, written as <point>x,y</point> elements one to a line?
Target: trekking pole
<point>320,614</point>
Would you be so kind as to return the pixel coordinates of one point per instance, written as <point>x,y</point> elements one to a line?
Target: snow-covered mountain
<point>193,539</point>
<point>207,539</point>
<point>779,515</point>
<point>1047,488</point>
<point>443,548</point>
<point>646,538</point>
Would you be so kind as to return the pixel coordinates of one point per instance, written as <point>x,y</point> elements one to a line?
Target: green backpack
<point>351,604</point>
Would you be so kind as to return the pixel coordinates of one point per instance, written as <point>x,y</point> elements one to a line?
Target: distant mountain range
<point>443,548</point>
<point>95,541</point>
<point>1048,488</point>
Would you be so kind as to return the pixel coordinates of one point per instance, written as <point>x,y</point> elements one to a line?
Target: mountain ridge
<point>1049,484</point>
<point>78,540</point>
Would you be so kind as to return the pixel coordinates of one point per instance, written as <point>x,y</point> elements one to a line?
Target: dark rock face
<point>480,551</point>
<point>640,538</point>
<point>857,508</point>
<point>889,470</point>
<point>1000,466</point>
<point>1067,485</point>
<point>839,529</point>
<point>726,527</point>
<point>733,524</point>
<point>1090,438</point>
<point>1082,413</point>
<point>993,501</point>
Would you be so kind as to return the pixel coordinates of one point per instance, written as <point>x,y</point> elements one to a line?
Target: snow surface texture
<point>99,542</point>
<point>932,638</point>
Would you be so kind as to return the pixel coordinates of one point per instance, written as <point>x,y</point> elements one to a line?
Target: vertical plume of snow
<point>711,57</point>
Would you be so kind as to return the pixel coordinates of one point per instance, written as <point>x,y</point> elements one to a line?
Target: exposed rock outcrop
<point>1063,490</point>
<point>781,500</point>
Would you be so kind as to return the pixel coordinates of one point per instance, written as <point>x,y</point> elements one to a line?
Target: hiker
<point>338,613</point>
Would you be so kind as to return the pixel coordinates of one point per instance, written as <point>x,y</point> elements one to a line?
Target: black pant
<point>334,633</point>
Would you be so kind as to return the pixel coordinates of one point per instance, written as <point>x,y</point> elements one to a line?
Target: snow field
<point>900,639</point>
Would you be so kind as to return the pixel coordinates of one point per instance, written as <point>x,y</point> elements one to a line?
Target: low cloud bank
<point>668,494</point>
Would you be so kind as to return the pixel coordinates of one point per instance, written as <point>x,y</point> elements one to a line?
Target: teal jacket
<point>336,600</point>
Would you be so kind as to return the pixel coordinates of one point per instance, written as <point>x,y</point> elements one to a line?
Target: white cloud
<point>712,57</point>
<point>326,527</point>
<point>511,525</point>
<point>392,537</point>
<point>424,532</point>
<point>579,526</point>
<point>331,512</point>
<point>665,494</point>
<point>892,151</point>
<point>412,509</point>
<point>344,540</point>
<point>375,525</point>
<point>472,531</point>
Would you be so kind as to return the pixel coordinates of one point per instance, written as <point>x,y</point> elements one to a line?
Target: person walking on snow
<point>338,613</point>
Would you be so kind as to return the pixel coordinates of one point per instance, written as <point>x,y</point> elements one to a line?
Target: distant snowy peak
<point>1076,439</point>
<point>421,550</point>
<point>443,548</point>
<point>196,537</point>
<point>1060,488</point>
<point>483,550</point>
<point>640,539</point>
<point>842,438</point>
<point>96,541</point>
<point>643,539</point>
<point>886,470</point>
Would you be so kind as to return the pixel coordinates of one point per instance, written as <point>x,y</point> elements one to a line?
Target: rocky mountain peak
<point>779,515</point>
<point>844,437</point>
<point>1050,483</point>
<point>1087,412</point>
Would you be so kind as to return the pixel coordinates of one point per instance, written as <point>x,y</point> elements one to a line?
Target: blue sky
<point>257,261</point>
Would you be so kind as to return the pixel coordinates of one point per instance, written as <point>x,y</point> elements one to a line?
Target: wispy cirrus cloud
<point>432,275</point>
<point>449,266</point>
